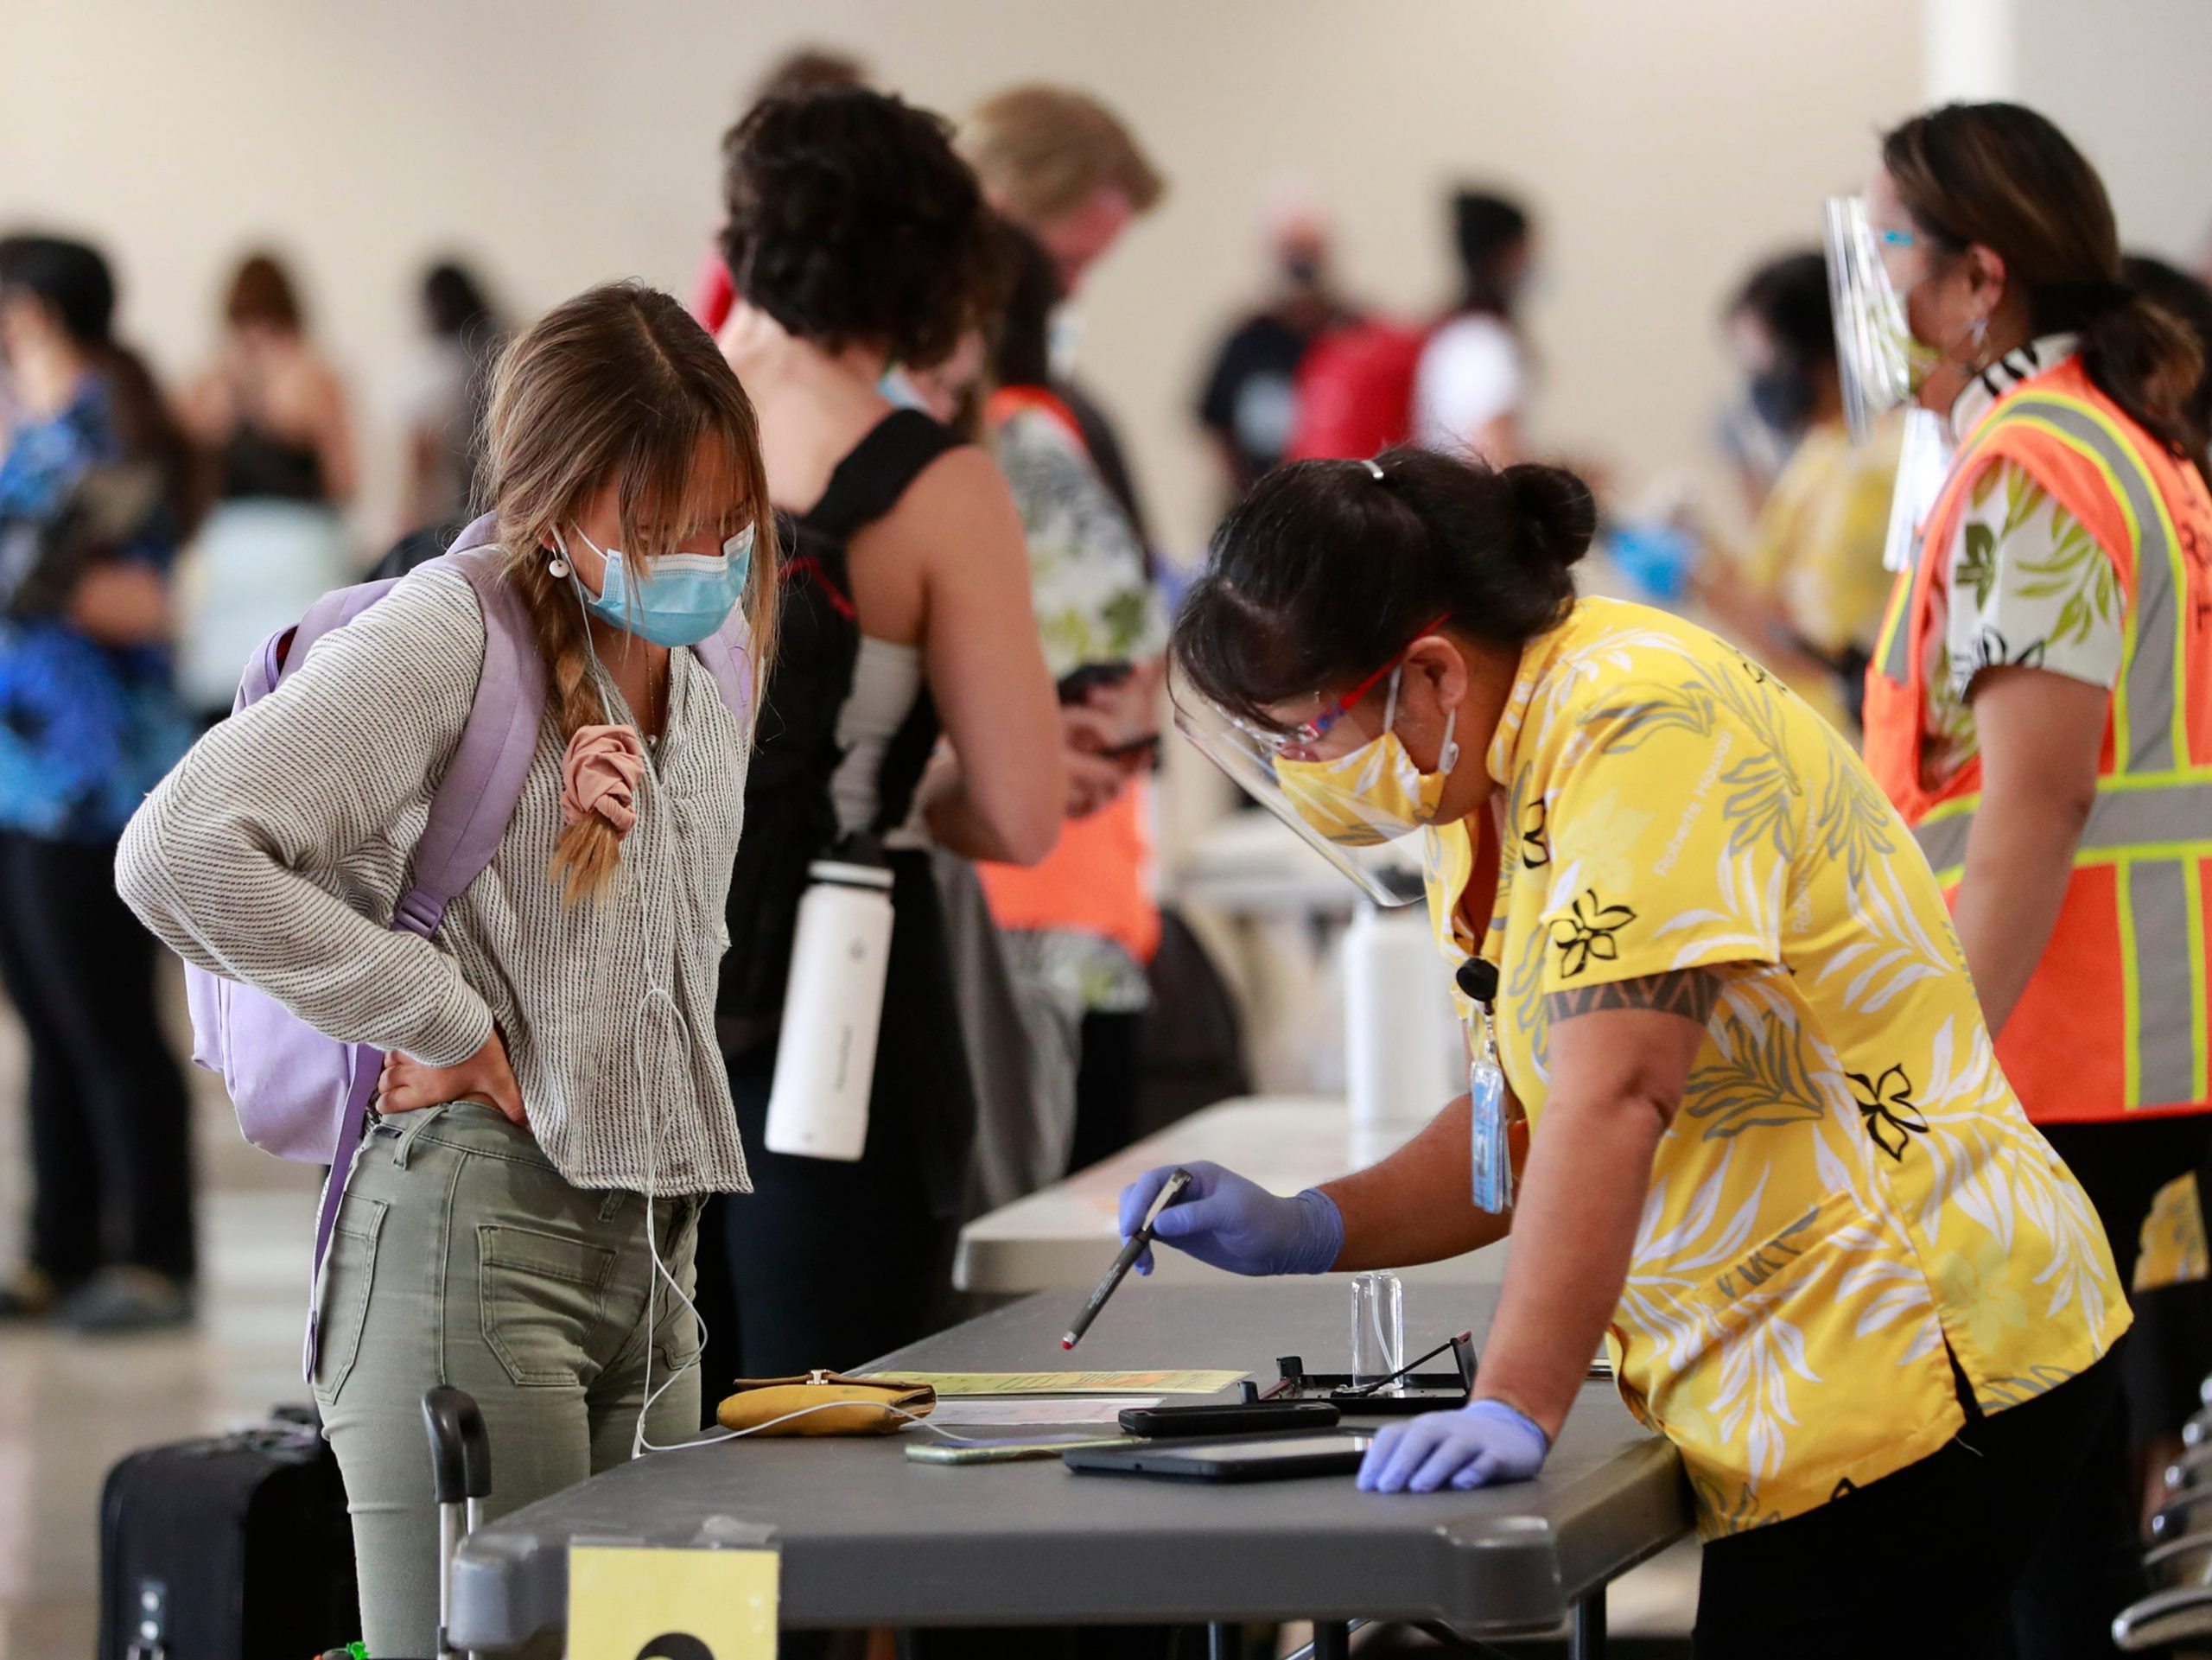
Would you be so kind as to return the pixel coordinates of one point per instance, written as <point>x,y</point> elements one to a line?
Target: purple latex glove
<point>1474,1445</point>
<point>1230,1223</point>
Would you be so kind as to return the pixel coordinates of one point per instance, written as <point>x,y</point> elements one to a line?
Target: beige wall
<point>2128,81</point>
<point>566,141</point>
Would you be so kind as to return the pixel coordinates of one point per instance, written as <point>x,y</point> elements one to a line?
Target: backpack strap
<point>476,798</point>
<point>876,472</point>
<point>727,655</point>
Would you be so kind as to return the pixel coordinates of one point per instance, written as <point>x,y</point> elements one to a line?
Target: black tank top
<point>258,464</point>
<point>790,819</point>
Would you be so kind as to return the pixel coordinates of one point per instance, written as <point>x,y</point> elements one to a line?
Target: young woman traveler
<point>553,1110</point>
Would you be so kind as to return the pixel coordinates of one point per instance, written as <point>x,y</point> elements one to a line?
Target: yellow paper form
<point>1070,1383</point>
<point>630,1604</point>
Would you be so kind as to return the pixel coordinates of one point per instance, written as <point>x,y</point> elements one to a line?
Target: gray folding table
<point>869,1537</point>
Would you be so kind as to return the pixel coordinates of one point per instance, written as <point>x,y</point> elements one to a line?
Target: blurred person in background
<point>270,415</point>
<point>2188,301</point>
<point>88,723</point>
<point>1806,597</point>
<point>1081,927</point>
<point>447,384</point>
<point>1250,402</point>
<point>802,70</point>
<point>1759,428</point>
<point>2040,705</point>
<point>1472,379</point>
<point>1067,169</point>
<point>1455,384</point>
<point>857,239</point>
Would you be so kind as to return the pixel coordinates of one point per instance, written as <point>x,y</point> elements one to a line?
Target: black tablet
<point>1262,1457</point>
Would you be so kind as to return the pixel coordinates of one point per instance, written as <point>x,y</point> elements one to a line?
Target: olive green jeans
<point>462,1256</point>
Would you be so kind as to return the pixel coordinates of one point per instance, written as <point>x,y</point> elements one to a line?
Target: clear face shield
<point>1881,366</point>
<point>1874,351</point>
<point>1385,868</point>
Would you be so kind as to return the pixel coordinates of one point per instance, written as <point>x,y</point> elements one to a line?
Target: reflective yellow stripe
<point>1889,650</point>
<point>2132,813</point>
<point>2150,725</point>
<point>2166,1012</point>
<point>2200,1042</point>
<point>2094,859</point>
<point>2159,901</point>
<point>2130,1001</point>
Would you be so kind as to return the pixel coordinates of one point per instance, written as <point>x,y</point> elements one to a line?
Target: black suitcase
<point>231,1548</point>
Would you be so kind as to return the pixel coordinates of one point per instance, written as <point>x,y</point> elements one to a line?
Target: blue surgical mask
<point>678,599</point>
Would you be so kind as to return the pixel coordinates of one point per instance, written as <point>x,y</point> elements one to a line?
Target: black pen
<point>1170,1191</point>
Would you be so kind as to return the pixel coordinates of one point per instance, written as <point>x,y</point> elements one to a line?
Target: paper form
<point>1070,1383</point>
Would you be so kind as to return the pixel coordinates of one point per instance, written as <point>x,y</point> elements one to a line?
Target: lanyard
<point>1491,1159</point>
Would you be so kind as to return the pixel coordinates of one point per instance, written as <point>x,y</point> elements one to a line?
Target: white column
<point>1968,50</point>
<point>2129,80</point>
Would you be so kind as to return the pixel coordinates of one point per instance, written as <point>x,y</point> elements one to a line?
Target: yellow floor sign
<point>630,1604</point>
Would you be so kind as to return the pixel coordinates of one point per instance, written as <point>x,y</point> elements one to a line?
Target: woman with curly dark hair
<point>857,241</point>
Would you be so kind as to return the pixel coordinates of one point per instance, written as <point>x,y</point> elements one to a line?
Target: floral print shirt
<point>1850,1200</point>
<point>2172,1250</point>
<point>2025,583</point>
<point>1094,605</point>
<point>1086,566</point>
<point>85,729</point>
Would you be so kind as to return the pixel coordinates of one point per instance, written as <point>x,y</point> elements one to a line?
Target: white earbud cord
<point>914,1418</point>
<point>645,1075</point>
<point>639,1443</point>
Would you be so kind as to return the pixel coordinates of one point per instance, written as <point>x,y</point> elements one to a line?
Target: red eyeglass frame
<point>1306,733</point>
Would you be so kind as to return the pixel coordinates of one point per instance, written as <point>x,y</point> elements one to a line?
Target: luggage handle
<point>461,1476</point>
<point>460,1448</point>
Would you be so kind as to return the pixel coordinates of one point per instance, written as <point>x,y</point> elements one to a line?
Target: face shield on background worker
<point>1881,365</point>
<point>1351,807</point>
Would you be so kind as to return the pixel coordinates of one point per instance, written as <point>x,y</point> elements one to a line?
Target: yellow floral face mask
<point>1374,793</point>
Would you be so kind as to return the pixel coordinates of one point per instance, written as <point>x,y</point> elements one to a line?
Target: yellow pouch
<point>842,1406</point>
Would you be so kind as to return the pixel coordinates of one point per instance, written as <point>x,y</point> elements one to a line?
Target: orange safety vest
<point>2114,1022</point>
<point>1093,881</point>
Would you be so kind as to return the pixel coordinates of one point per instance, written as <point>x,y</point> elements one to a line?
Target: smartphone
<point>1229,1418</point>
<point>1147,745</point>
<point>1076,685</point>
<point>1013,1449</point>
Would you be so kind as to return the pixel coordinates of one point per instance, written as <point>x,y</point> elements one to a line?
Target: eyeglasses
<point>1308,733</point>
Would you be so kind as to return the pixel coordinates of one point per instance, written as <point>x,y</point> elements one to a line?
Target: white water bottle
<point>833,1006</point>
<point>1404,1051</point>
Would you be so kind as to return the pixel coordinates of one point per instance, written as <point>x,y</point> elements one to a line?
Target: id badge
<point>1493,1154</point>
<point>1492,1160</point>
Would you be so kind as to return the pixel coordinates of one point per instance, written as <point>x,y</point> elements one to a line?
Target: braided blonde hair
<point>619,384</point>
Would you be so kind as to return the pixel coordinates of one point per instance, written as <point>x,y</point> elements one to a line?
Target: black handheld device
<point>1229,1418</point>
<point>1078,683</point>
<point>1263,1457</point>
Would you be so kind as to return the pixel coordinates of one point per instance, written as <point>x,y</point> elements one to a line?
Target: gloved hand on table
<point>1230,1223</point>
<point>1478,1445</point>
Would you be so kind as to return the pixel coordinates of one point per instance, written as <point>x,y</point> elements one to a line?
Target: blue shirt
<point>85,729</point>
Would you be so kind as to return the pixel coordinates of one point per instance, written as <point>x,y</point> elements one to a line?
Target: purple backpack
<point>302,1094</point>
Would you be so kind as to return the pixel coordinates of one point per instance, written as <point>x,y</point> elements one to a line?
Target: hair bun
<point>1556,507</point>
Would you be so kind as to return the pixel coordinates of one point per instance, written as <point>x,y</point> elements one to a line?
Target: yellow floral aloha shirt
<point>2173,1250</point>
<point>1851,1188</point>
